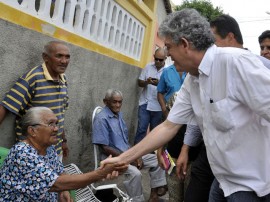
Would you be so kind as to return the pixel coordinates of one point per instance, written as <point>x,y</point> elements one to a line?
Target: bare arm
<point>152,141</point>
<point>162,103</point>
<point>3,113</point>
<point>107,150</point>
<point>193,137</point>
<point>64,145</point>
<point>143,83</point>
<point>69,182</point>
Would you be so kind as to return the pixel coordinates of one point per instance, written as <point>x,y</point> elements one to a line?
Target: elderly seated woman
<point>32,171</point>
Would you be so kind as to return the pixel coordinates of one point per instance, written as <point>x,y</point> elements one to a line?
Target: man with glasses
<point>150,112</point>
<point>44,85</point>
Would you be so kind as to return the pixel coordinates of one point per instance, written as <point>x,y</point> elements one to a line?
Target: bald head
<point>160,57</point>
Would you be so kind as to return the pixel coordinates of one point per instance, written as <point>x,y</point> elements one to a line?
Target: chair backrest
<point>83,194</point>
<point>3,154</point>
<point>96,147</point>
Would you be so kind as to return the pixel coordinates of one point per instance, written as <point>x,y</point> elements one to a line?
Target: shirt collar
<point>49,77</point>
<point>111,114</point>
<point>153,64</point>
<point>207,61</point>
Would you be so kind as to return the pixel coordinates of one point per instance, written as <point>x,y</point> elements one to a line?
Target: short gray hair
<point>33,116</point>
<point>188,24</point>
<point>48,48</point>
<point>112,92</point>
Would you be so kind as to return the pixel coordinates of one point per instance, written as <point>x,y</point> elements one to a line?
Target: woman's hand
<point>64,196</point>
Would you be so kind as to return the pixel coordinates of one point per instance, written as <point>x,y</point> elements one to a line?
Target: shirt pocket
<point>221,115</point>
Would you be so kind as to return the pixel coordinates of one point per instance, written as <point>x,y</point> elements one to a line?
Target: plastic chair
<point>96,147</point>
<point>3,154</point>
<point>123,196</point>
<point>83,194</point>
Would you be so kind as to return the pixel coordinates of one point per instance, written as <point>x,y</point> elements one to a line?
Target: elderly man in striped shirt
<point>44,85</point>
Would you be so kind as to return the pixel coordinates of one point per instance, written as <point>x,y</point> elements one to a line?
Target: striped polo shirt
<point>37,88</point>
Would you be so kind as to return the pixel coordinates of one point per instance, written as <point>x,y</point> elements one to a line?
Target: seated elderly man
<point>32,171</point>
<point>111,133</point>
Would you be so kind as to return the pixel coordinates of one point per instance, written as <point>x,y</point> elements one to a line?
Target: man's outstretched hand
<point>113,166</point>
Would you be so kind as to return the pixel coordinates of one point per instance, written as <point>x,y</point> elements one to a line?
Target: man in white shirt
<point>227,34</point>
<point>227,95</point>
<point>150,113</point>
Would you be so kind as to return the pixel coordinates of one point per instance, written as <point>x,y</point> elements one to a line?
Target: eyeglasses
<point>51,125</point>
<point>159,60</point>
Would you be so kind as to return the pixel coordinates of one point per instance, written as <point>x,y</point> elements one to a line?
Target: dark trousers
<point>201,179</point>
<point>217,195</point>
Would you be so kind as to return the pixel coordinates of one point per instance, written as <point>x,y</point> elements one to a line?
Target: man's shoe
<point>161,191</point>
<point>153,196</point>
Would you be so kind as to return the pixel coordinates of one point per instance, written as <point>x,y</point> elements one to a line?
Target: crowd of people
<point>210,110</point>
<point>224,101</point>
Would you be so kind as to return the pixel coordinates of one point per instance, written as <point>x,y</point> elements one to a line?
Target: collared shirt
<point>27,176</point>
<point>170,82</point>
<point>37,88</point>
<point>111,130</point>
<point>265,61</point>
<point>149,93</point>
<point>230,101</point>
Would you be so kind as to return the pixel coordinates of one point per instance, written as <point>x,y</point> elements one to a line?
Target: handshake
<point>110,168</point>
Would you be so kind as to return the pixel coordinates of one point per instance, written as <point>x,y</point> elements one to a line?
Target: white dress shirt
<point>149,93</point>
<point>230,101</point>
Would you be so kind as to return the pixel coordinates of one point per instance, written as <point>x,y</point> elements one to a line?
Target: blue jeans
<point>217,195</point>
<point>146,117</point>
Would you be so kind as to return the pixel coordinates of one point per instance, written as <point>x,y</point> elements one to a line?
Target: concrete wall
<point>89,75</point>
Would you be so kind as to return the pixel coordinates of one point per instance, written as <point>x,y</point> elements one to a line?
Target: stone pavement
<point>147,189</point>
